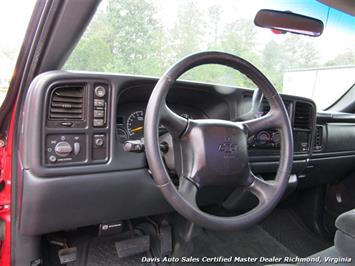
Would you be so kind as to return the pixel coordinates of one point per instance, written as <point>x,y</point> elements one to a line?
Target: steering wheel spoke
<point>263,190</point>
<point>270,120</point>
<point>174,123</point>
<point>255,106</point>
<point>188,190</point>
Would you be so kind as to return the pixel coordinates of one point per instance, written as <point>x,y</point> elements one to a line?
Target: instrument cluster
<point>130,119</point>
<point>270,138</point>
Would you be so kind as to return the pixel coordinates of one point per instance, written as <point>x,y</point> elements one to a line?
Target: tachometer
<point>135,124</point>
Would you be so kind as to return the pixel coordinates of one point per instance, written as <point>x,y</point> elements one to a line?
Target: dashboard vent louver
<point>265,107</point>
<point>67,103</point>
<point>303,116</point>
<point>318,138</point>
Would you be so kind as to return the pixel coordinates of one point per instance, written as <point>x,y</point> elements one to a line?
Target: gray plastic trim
<point>58,203</point>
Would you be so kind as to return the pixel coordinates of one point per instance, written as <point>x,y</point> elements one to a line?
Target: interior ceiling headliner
<point>347,6</point>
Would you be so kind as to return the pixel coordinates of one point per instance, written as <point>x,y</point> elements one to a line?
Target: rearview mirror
<point>286,21</point>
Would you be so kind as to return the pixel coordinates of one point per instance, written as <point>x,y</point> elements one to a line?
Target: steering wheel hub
<point>214,153</point>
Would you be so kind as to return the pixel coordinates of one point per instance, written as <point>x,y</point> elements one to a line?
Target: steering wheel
<point>213,152</point>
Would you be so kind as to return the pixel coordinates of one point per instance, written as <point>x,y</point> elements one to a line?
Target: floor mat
<point>95,251</point>
<point>286,227</point>
<point>282,234</point>
<point>252,243</point>
<point>104,253</point>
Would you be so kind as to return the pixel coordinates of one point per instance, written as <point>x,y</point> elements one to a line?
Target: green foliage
<point>294,52</point>
<point>133,36</point>
<point>123,38</point>
<point>346,58</point>
<point>127,37</point>
<point>215,13</point>
<point>99,52</point>
<point>297,52</point>
<point>188,32</point>
<point>238,38</point>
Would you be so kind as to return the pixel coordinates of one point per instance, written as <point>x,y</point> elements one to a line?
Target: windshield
<point>13,25</point>
<point>145,37</point>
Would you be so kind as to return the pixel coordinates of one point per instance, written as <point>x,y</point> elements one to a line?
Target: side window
<point>14,18</point>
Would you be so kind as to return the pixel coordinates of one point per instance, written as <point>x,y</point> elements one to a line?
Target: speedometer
<point>135,124</point>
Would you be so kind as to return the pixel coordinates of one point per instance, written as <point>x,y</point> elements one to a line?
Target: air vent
<point>318,138</point>
<point>303,116</point>
<point>264,107</point>
<point>67,103</point>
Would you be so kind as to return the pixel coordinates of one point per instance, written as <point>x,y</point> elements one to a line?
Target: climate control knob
<point>63,149</point>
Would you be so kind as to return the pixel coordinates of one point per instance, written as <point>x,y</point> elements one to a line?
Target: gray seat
<point>344,244</point>
<point>345,235</point>
<point>331,254</point>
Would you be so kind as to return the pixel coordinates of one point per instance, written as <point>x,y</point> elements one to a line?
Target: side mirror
<point>286,21</point>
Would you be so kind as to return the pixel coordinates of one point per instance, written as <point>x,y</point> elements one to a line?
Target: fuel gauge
<point>122,134</point>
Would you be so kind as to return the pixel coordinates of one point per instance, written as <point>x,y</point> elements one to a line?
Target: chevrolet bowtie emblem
<point>228,147</point>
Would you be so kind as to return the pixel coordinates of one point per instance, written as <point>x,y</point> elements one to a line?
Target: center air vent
<point>303,116</point>
<point>67,103</point>
<point>318,138</point>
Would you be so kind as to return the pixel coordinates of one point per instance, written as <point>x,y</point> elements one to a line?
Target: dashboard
<point>130,122</point>
<point>130,125</point>
<point>76,171</point>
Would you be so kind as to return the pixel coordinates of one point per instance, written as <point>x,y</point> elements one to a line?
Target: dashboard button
<point>98,122</point>
<point>99,103</point>
<point>100,91</point>
<point>52,159</point>
<point>98,113</point>
<point>99,142</point>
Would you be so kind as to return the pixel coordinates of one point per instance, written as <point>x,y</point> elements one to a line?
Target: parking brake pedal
<point>133,246</point>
